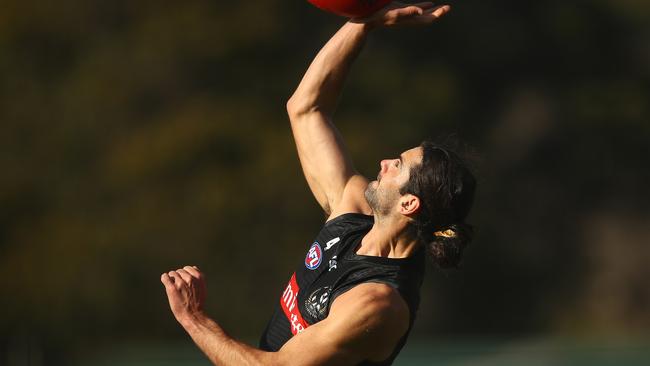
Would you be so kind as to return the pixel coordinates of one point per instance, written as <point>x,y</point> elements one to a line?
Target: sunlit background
<point>140,136</point>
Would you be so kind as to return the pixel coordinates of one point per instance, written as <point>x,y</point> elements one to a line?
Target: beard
<point>379,201</point>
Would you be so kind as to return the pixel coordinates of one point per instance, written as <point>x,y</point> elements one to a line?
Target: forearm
<point>322,84</point>
<point>220,348</point>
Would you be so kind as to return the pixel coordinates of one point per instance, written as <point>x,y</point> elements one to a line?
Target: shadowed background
<point>140,136</point>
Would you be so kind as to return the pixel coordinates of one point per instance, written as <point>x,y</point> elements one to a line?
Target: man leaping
<point>353,299</point>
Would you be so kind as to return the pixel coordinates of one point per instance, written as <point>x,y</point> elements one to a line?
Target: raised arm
<point>325,161</point>
<point>324,158</point>
<point>365,323</point>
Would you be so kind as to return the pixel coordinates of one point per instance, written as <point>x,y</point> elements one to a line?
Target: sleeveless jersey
<point>332,267</point>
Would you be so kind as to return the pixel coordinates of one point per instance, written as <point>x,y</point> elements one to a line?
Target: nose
<point>384,165</point>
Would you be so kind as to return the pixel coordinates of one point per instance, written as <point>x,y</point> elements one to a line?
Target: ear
<point>409,204</point>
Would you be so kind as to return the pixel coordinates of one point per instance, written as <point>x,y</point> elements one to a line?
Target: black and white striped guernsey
<point>332,267</point>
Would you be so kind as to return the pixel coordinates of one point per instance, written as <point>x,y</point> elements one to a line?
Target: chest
<point>309,293</point>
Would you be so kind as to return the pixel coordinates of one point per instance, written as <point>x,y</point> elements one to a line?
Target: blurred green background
<point>140,136</point>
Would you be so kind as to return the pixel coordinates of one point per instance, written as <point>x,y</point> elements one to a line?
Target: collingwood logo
<point>316,303</point>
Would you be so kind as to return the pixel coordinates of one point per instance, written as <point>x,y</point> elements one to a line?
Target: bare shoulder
<point>353,198</point>
<point>373,301</point>
<point>376,314</point>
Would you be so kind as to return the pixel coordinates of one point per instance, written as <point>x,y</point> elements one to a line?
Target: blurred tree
<point>137,137</point>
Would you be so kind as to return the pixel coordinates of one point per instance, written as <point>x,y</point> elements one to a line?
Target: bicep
<point>365,323</point>
<point>325,161</point>
<point>320,344</point>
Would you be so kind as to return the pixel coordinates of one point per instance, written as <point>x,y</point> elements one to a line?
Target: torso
<point>330,268</point>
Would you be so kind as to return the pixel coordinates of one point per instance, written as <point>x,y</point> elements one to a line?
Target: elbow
<point>296,108</point>
<point>300,107</point>
<point>292,107</point>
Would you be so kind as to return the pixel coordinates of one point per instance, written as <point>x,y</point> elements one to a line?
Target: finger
<point>409,11</point>
<point>432,15</point>
<point>441,10</point>
<point>425,5</point>
<point>172,276</point>
<point>192,270</point>
<point>176,279</point>
<point>166,280</point>
<point>184,275</point>
<point>170,286</point>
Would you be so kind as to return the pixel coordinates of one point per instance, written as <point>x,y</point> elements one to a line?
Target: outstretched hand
<point>398,14</point>
<point>186,292</point>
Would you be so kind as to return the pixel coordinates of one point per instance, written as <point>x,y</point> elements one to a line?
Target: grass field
<point>420,352</point>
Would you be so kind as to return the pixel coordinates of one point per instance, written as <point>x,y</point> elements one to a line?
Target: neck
<point>388,237</point>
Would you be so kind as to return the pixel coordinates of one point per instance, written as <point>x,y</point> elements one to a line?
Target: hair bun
<point>447,246</point>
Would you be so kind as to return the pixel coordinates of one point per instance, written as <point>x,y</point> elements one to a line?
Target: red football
<point>350,8</point>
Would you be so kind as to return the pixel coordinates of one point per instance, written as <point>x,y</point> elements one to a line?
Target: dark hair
<point>445,187</point>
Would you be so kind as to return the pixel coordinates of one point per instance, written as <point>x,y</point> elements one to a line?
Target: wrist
<point>192,320</point>
<point>364,24</point>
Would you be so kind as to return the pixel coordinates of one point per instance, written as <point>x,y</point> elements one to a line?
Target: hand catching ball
<point>350,8</point>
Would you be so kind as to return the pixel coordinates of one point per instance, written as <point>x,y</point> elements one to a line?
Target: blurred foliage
<point>137,137</point>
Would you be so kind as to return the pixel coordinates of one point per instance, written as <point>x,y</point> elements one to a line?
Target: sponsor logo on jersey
<point>289,304</point>
<point>314,256</point>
